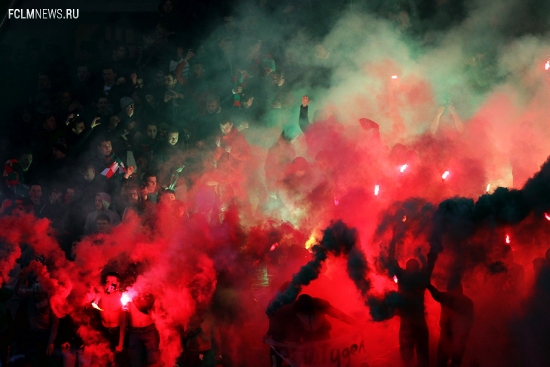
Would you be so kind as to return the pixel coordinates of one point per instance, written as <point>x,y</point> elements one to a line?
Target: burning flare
<point>395,279</point>
<point>125,299</point>
<point>507,239</point>
<point>547,216</point>
<point>94,305</point>
<point>488,188</point>
<point>547,65</point>
<point>403,168</point>
<point>445,175</point>
<point>376,189</point>
<point>396,77</point>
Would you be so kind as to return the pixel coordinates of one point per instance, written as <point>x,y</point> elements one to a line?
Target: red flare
<point>403,168</point>
<point>94,305</point>
<point>395,279</point>
<point>547,65</point>
<point>508,239</point>
<point>396,77</point>
<point>376,189</point>
<point>274,246</point>
<point>445,175</point>
<point>547,216</point>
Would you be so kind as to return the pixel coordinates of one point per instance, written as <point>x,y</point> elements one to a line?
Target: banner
<point>344,351</point>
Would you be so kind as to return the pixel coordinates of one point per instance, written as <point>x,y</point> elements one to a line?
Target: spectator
<point>102,204</point>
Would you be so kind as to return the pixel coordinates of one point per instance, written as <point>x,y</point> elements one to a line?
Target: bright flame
<point>336,201</point>
<point>395,279</point>
<point>507,239</point>
<point>395,76</point>
<point>376,189</point>
<point>311,241</point>
<point>445,175</point>
<point>404,218</point>
<point>547,65</point>
<point>274,246</point>
<point>547,216</point>
<point>488,188</point>
<point>403,168</point>
<point>94,305</point>
<point>124,299</point>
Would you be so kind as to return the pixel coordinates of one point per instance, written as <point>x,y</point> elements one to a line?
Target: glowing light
<point>445,175</point>
<point>311,241</point>
<point>94,305</point>
<point>547,65</point>
<point>488,188</point>
<point>395,279</point>
<point>274,246</point>
<point>125,299</point>
<point>376,189</point>
<point>336,201</point>
<point>507,239</point>
<point>396,77</point>
<point>404,218</point>
<point>403,168</point>
<point>547,216</point>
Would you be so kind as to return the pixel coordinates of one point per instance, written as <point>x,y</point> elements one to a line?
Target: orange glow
<point>396,77</point>
<point>94,305</point>
<point>547,65</point>
<point>488,188</point>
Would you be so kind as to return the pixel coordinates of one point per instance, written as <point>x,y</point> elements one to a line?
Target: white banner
<point>345,351</point>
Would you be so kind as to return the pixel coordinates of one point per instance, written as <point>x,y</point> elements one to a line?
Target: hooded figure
<point>102,204</point>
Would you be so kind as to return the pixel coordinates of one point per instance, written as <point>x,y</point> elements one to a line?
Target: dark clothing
<point>457,316</point>
<point>143,346</point>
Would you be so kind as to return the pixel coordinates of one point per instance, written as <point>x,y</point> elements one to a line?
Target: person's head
<point>111,282</point>
<point>304,304</point>
<point>78,126</point>
<point>48,122</point>
<point>150,182</point>
<point>119,51</point>
<point>103,104</point>
<point>102,201</point>
<point>109,75</point>
<point>127,105</point>
<point>83,73</point>
<point>165,6</point>
<point>170,81</point>
<point>88,172</point>
<point>132,195</point>
<point>35,193</point>
<point>65,98</point>
<point>44,81</point>
<point>113,122</point>
<point>412,266</point>
<point>159,78</point>
<point>168,195</point>
<point>103,223</point>
<point>226,126</point>
<point>151,131</point>
<point>69,195</point>
<point>25,160</point>
<point>197,70</point>
<point>104,146</point>
<point>212,103</point>
<point>173,136</point>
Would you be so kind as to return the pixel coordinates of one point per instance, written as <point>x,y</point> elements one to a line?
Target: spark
<point>507,239</point>
<point>376,189</point>
<point>94,305</point>
<point>547,216</point>
<point>404,218</point>
<point>395,279</point>
<point>445,175</point>
<point>403,168</point>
